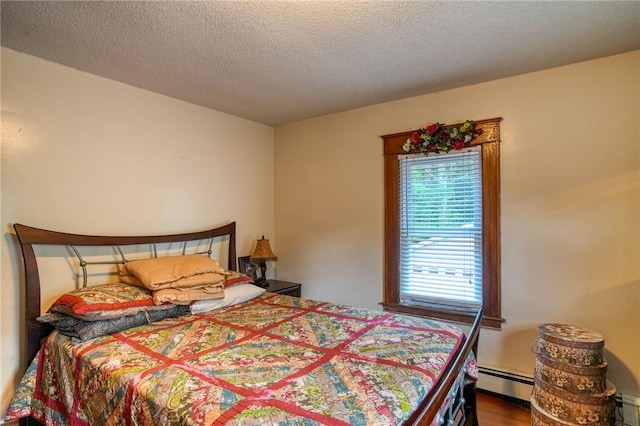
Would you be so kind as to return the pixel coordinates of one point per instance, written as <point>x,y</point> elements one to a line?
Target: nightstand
<point>284,287</point>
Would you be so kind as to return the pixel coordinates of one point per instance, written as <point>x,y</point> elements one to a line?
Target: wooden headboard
<point>30,237</point>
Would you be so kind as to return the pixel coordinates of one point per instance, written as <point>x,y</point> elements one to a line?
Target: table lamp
<point>261,254</point>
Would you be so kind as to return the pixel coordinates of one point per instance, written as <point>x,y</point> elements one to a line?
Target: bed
<point>261,359</point>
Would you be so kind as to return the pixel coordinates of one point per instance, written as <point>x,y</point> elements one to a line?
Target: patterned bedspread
<point>275,360</point>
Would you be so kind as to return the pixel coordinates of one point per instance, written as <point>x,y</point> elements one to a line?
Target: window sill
<point>443,314</point>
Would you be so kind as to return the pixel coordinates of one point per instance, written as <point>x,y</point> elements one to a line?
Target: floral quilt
<point>275,360</point>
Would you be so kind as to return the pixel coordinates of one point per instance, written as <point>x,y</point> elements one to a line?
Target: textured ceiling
<point>277,62</point>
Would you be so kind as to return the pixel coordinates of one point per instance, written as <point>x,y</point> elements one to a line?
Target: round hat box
<point>578,409</point>
<point>585,380</point>
<point>539,417</point>
<point>570,345</point>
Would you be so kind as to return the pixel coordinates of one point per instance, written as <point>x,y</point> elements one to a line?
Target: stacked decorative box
<point>570,384</point>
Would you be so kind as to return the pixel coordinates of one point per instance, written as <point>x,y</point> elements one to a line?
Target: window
<point>442,251</point>
<point>441,230</point>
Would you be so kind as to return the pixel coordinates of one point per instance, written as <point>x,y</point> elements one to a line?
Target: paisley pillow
<point>105,301</point>
<point>234,278</point>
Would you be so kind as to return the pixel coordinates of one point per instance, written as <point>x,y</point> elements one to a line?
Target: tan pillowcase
<point>199,280</point>
<point>184,295</point>
<point>164,272</point>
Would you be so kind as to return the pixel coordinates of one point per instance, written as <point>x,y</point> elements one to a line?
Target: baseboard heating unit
<point>505,383</point>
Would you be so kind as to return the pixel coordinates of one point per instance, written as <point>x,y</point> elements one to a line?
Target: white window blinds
<point>441,229</point>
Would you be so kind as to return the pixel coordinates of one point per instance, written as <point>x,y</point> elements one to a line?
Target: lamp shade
<point>263,251</point>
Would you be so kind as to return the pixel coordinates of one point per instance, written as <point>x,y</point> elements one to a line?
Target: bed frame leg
<point>28,421</point>
<point>471,404</point>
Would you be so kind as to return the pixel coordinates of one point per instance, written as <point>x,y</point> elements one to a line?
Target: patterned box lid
<point>570,335</point>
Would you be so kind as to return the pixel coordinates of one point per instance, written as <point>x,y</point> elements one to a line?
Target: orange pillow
<point>184,296</point>
<point>163,272</point>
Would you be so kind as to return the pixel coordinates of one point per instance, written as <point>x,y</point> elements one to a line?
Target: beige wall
<point>85,154</point>
<point>570,204</point>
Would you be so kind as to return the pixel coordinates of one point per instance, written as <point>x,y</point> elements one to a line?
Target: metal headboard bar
<point>29,236</point>
<point>84,263</point>
<point>154,253</point>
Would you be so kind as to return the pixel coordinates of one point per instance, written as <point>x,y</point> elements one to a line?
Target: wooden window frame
<point>489,142</point>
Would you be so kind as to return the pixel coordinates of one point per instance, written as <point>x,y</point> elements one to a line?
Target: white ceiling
<point>277,62</point>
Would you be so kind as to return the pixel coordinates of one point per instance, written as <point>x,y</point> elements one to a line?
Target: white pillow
<point>238,293</point>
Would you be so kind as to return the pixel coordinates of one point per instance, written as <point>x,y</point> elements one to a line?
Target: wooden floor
<point>496,411</point>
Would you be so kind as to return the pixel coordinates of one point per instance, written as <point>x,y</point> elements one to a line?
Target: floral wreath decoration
<point>438,138</point>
